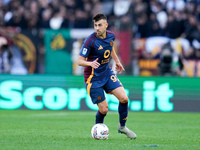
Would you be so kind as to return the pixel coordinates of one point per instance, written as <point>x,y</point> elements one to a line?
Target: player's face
<point>100,28</point>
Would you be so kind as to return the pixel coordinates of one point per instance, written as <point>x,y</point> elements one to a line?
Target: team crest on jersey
<point>111,43</point>
<point>84,51</point>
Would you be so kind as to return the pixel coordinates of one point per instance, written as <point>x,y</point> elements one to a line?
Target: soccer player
<point>95,55</point>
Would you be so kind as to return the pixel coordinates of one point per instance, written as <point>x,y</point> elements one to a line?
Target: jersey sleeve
<point>86,47</point>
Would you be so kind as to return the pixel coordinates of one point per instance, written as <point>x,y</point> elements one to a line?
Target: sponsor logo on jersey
<point>100,47</point>
<point>84,51</point>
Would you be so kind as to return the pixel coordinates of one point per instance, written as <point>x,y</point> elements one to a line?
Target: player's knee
<point>104,110</point>
<point>124,99</point>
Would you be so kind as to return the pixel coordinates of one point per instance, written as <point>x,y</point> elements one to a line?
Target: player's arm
<point>83,62</point>
<point>119,66</point>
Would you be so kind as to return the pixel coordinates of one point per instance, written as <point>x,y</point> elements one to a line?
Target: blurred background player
<point>11,60</point>
<point>99,77</point>
<point>5,56</point>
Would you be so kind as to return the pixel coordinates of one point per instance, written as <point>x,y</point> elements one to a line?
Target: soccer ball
<point>100,131</point>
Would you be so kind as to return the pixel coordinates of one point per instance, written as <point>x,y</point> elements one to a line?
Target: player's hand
<point>119,67</point>
<point>95,64</point>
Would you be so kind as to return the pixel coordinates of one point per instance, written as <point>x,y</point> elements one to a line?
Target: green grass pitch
<point>71,130</point>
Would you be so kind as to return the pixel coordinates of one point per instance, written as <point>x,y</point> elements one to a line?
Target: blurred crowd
<point>144,18</point>
<point>171,18</point>
<point>49,13</point>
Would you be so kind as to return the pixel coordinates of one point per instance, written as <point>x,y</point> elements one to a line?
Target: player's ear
<point>106,25</point>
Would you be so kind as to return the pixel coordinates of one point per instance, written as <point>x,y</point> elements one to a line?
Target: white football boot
<point>124,130</point>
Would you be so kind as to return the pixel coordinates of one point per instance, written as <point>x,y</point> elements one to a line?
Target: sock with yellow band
<point>123,113</point>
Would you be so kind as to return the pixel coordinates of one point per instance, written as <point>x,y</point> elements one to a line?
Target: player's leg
<point>115,87</point>
<point>98,97</point>
<point>101,113</point>
<point>120,94</point>
<point>123,111</point>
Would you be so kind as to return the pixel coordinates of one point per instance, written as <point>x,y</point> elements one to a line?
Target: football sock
<point>99,117</point>
<point>123,113</point>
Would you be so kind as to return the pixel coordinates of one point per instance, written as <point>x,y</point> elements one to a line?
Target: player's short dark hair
<point>99,17</point>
